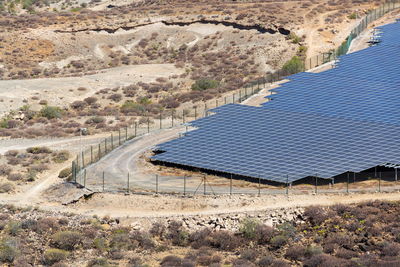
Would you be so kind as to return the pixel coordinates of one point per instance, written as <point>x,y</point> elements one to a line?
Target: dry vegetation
<point>20,167</point>
<point>366,234</point>
<point>223,44</point>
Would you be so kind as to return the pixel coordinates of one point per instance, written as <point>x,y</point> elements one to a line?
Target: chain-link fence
<point>318,60</point>
<point>124,182</point>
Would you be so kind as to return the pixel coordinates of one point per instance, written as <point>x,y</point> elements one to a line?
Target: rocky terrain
<point>366,234</point>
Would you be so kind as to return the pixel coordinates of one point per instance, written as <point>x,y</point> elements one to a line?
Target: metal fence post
<point>347,184</point>
<point>204,183</point>
<point>184,185</point>
<point>126,133</point>
<point>172,118</point>
<point>128,184</point>
<point>119,136</point>
<point>259,186</point>
<point>148,124</point>
<point>160,119</point>
<point>84,178</point>
<point>99,152</point>
<point>157,184</point>
<point>103,181</point>
<point>112,141</point>
<point>287,184</point>
<point>379,182</point>
<point>91,154</point>
<point>316,183</point>
<point>183,116</point>
<point>105,146</point>
<point>195,113</point>
<point>395,174</point>
<point>135,128</point>
<point>73,171</point>
<point>83,160</point>
<point>230,186</point>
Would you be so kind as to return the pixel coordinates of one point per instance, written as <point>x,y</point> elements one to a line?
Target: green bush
<point>130,106</point>
<point>279,241</point>
<point>54,255</point>
<point>353,15</point>
<point>8,250</point>
<point>51,112</point>
<point>66,240</point>
<point>248,228</point>
<point>13,228</point>
<point>100,244</point>
<point>204,84</point>
<point>293,66</point>
<point>100,262</point>
<point>295,39</point>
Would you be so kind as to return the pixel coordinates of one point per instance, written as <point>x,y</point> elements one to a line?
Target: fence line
<point>202,184</point>
<point>181,116</point>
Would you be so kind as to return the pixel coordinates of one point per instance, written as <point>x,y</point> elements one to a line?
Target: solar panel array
<point>318,124</point>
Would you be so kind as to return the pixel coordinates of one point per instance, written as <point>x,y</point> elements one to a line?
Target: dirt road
<point>72,144</point>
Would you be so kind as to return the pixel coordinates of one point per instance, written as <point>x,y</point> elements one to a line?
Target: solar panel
<point>317,124</point>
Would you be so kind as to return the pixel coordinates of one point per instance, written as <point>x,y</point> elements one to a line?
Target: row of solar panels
<point>318,124</point>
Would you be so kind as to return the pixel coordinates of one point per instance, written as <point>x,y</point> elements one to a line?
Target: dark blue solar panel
<point>324,124</point>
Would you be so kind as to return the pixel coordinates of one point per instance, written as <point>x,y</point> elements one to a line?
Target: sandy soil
<point>62,91</point>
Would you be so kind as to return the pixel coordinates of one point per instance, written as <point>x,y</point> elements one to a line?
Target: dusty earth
<point>50,192</point>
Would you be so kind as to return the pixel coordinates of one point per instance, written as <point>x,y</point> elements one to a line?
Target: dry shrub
<point>66,240</point>
<point>38,150</point>
<point>14,177</point>
<point>6,187</point>
<point>4,170</point>
<point>315,214</point>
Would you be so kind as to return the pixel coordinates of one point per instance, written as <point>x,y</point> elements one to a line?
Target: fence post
<point>128,184</point>
<point>99,152</point>
<point>379,182</point>
<point>230,186</point>
<point>259,186</point>
<point>83,160</point>
<point>112,141</point>
<point>172,118</point>
<point>148,124</point>
<point>183,116</point>
<point>119,136</point>
<point>91,154</point>
<point>160,119</point>
<point>103,181</point>
<point>316,183</point>
<point>233,98</point>
<point>347,184</point>
<point>240,96</point>
<point>157,184</point>
<point>287,184</point>
<point>195,113</point>
<point>73,171</point>
<point>395,174</point>
<point>184,185</point>
<point>84,178</point>
<point>135,128</point>
<point>204,183</point>
<point>126,133</point>
<point>105,145</point>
